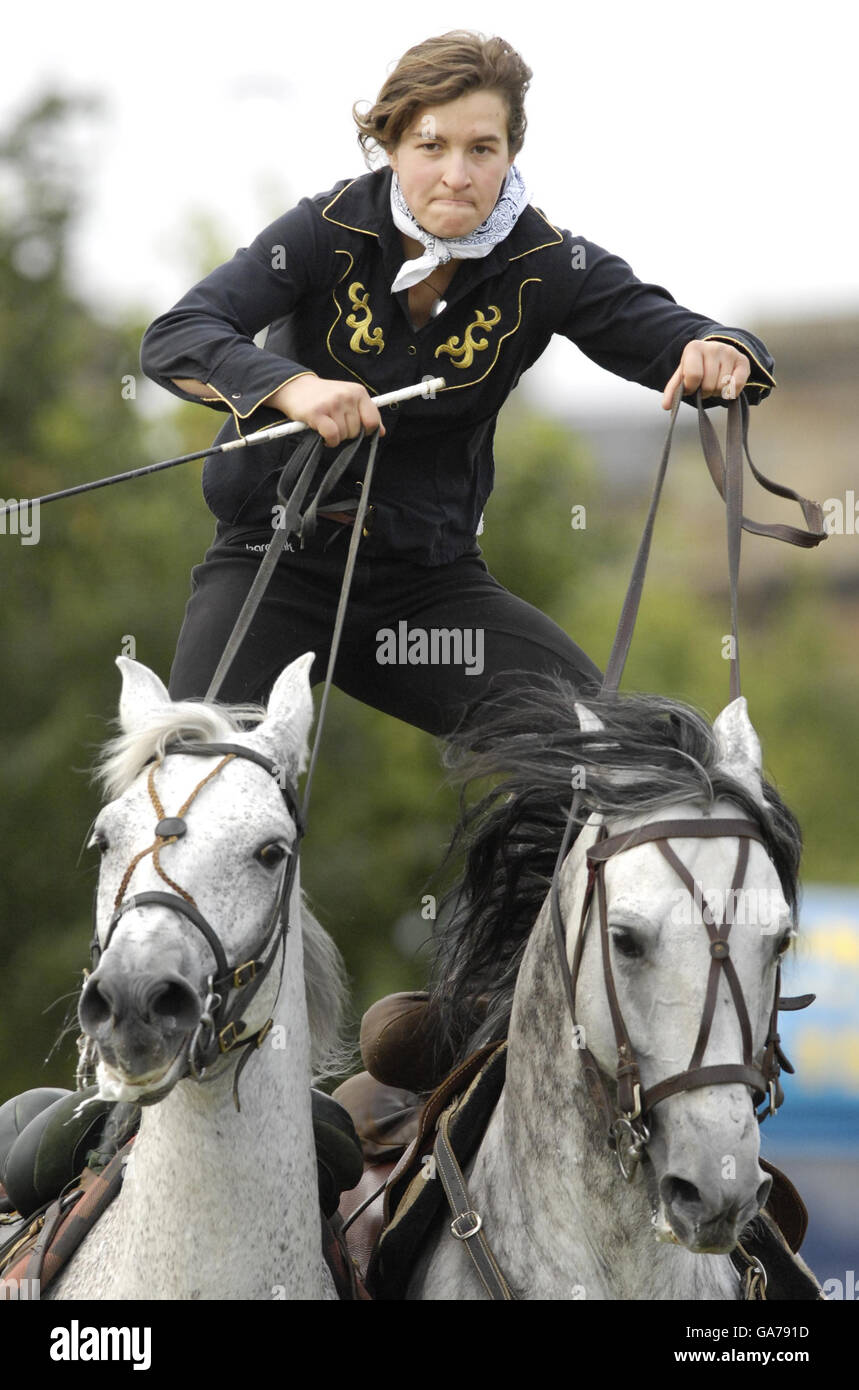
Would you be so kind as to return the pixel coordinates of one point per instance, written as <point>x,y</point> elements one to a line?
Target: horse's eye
<point>99,841</point>
<point>626,944</point>
<point>784,943</point>
<point>271,855</point>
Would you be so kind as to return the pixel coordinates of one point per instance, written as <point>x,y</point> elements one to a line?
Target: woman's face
<point>452,162</point>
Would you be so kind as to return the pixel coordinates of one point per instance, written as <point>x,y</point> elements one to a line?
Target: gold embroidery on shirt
<point>345,365</point>
<point>362,334</point>
<point>470,345</point>
<point>467,385</point>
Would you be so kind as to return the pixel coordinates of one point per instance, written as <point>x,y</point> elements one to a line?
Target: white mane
<point>124,757</point>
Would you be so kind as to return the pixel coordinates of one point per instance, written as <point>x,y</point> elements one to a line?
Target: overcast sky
<point>713,146</point>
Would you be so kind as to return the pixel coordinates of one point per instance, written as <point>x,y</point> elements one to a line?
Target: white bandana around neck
<point>512,199</point>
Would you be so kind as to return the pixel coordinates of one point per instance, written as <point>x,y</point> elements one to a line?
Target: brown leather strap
<point>632,601</point>
<point>467,1223</point>
<point>715,828</point>
<point>727,475</point>
<point>54,1217</point>
<point>627,1074</point>
<point>724,1074</point>
<point>811,510</point>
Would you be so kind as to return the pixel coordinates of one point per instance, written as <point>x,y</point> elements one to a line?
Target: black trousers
<point>427,644</point>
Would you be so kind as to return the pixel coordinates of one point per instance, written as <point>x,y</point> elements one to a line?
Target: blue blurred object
<point>815,1135</point>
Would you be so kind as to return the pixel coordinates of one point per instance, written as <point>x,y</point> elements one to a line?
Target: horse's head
<point>193,893</point>
<point>675,985</point>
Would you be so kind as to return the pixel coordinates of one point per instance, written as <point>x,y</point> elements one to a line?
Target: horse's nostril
<point>173,1000</point>
<point>113,999</point>
<point>678,1192</point>
<point>96,1006</point>
<point>763,1193</point>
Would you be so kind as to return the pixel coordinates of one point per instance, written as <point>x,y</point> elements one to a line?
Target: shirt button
<point>393,405</point>
<point>237,395</point>
<point>411,350</point>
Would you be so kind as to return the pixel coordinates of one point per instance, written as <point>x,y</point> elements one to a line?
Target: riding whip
<point>422,388</point>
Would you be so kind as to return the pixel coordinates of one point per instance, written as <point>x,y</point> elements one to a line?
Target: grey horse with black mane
<point>561,1220</point>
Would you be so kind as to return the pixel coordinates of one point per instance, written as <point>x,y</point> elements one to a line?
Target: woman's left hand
<point>718,368</point>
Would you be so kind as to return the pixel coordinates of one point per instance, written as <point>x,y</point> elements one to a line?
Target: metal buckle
<point>629,1154</point>
<point>240,978</point>
<point>636,1113</point>
<point>754,1278</point>
<point>264,1031</point>
<point>228,1037</point>
<point>476,1222</point>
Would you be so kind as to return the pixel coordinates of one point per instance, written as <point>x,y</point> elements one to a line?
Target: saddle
<point>62,1159</point>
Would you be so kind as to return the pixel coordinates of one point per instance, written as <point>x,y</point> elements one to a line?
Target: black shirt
<point>321,276</point>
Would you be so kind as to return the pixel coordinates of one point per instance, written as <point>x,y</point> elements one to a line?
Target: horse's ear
<point>589,723</point>
<point>738,748</point>
<point>290,713</point>
<point>142,692</point>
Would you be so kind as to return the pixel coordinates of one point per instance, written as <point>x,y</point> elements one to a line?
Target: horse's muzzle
<point>137,1020</point>
<point>708,1223</point>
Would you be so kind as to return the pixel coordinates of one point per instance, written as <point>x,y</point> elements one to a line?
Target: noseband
<point>626,1117</point>
<point>232,987</point>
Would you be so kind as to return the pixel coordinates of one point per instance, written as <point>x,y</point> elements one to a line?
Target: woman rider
<point>434,264</point>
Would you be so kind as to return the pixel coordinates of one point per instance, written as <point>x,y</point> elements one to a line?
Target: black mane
<point>652,751</point>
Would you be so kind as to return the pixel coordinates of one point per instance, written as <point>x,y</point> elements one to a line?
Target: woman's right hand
<point>335,409</point>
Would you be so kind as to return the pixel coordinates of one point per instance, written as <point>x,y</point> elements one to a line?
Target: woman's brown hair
<point>441,70</point>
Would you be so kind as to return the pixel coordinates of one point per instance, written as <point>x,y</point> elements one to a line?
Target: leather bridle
<point>626,1115</point>
<point>232,986</point>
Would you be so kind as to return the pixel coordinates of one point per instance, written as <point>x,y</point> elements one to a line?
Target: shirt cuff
<point>243,386</point>
<point>761,380</point>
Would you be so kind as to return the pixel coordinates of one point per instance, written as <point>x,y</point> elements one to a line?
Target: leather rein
<point>627,1115</point>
